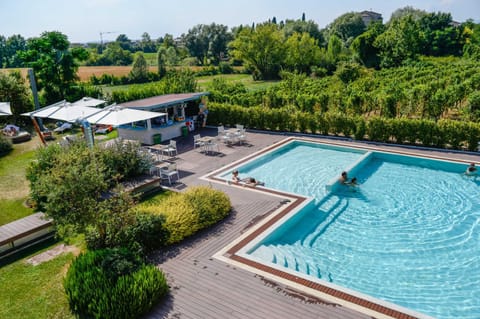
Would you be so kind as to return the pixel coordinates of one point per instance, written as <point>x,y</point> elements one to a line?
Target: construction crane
<point>101,38</point>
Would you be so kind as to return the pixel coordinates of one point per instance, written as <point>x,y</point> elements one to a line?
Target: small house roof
<point>163,101</point>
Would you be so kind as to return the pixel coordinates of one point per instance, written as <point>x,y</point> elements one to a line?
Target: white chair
<point>221,130</point>
<point>229,138</point>
<point>241,136</point>
<point>239,127</point>
<point>212,145</point>
<point>169,172</point>
<point>171,148</point>
<point>197,142</point>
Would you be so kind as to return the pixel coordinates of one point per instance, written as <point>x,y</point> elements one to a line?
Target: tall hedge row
<point>442,133</point>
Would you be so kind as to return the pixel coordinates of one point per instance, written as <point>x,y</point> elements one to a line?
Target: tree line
<point>300,45</point>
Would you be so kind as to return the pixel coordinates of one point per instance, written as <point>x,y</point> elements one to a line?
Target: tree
<point>115,55</point>
<point>401,41</point>
<point>3,52</point>
<point>146,44</point>
<point>347,27</point>
<point>301,26</point>
<point>124,42</point>
<point>363,45</point>
<point>14,90</point>
<point>15,43</point>
<point>261,49</point>
<point>54,64</point>
<point>208,43</point>
<point>139,72</point>
<point>302,51</point>
<point>161,61</point>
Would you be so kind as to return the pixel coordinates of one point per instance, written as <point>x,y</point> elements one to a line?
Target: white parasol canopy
<point>5,108</point>
<point>118,115</point>
<point>89,101</point>
<point>64,111</point>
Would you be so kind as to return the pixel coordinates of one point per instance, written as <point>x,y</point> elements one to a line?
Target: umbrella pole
<point>39,132</point>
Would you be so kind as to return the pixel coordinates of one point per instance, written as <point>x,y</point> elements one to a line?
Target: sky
<point>84,20</point>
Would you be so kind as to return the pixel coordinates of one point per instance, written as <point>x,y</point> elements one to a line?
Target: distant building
<point>370,16</point>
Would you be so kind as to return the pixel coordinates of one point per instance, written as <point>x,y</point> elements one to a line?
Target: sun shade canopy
<point>64,111</point>
<point>118,115</point>
<point>5,108</point>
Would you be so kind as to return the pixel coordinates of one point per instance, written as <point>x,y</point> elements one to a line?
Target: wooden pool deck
<point>203,286</point>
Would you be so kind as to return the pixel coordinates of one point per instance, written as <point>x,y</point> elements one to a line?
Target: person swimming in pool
<point>352,182</point>
<point>343,178</point>
<point>471,170</point>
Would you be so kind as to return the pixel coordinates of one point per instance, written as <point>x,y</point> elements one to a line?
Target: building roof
<point>162,101</point>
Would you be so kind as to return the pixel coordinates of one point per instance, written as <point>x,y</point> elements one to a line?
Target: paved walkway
<point>205,287</point>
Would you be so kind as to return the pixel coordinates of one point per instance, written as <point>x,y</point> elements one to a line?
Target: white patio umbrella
<point>89,101</point>
<point>118,115</point>
<point>63,111</point>
<point>5,108</point>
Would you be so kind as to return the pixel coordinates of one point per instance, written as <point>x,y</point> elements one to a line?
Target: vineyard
<point>432,88</point>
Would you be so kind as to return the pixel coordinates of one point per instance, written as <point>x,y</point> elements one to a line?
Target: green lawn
<point>34,291</point>
<point>14,187</point>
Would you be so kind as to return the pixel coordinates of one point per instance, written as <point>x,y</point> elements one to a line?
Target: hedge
<point>443,133</point>
<point>188,212</point>
<point>112,283</point>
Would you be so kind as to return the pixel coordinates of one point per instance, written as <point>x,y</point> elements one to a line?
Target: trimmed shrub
<point>112,283</point>
<point>186,213</point>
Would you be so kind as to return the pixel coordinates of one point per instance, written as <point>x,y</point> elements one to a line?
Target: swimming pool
<point>409,234</point>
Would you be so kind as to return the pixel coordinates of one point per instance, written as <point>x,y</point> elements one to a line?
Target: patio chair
<point>171,148</point>
<point>212,145</point>
<point>169,172</point>
<point>221,130</point>
<point>197,142</point>
<point>239,127</point>
<point>241,136</point>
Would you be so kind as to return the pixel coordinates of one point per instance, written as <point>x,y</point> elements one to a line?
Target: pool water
<point>409,234</point>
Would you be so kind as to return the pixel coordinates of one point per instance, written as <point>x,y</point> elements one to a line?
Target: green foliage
<point>13,89</point>
<point>5,145</point>
<point>208,43</point>
<point>139,72</point>
<point>186,213</point>
<point>363,45</point>
<point>55,65</point>
<point>82,176</point>
<point>401,41</point>
<point>347,27</point>
<point>173,82</point>
<point>118,225</point>
<point>262,50</point>
<point>444,133</point>
<point>302,52</point>
<point>112,284</point>
<point>348,71</point>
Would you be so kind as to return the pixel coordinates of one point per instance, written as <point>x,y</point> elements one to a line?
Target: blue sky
<point>83,20</point>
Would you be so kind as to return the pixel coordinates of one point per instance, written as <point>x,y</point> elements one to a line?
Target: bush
<point>5,145</point>
<point>112,283</point>
<point>186,213</point>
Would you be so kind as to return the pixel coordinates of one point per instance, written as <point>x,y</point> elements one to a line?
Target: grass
<point>14,187</point>
<point>34,291</point>
<point>13,209</point>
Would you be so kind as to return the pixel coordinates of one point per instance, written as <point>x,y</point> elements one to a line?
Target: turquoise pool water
<point>409,234</point>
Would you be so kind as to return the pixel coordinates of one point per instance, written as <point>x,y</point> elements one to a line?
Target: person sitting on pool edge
<point>471,170</point>
<point>235,178</point>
